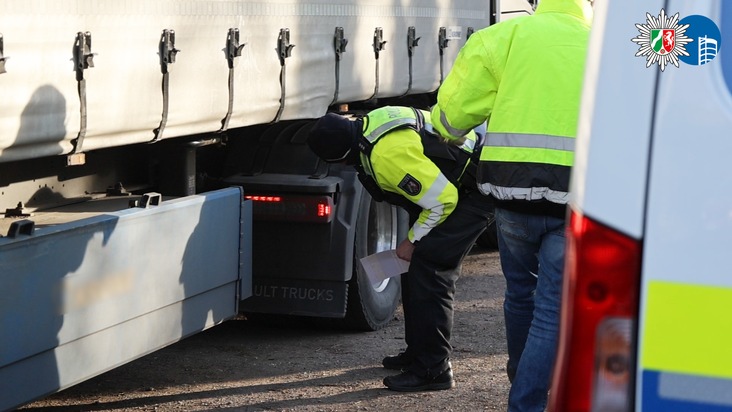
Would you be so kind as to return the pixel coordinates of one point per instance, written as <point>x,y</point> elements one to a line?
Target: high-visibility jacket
<point>407,164</point>
<point>524,76</point>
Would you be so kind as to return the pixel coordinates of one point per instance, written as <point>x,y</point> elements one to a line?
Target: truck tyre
<point>380,226</point>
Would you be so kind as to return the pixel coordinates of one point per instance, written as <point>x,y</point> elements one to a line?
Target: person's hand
<point>404,250</point>
<point>457,142</point>
<point>451,141</point>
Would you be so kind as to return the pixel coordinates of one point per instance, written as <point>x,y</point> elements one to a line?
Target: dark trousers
<point>428,288</point>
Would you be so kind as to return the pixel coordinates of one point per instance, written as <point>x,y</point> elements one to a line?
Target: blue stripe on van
<point>652,401</point>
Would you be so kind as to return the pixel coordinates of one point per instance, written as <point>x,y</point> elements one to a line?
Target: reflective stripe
<point>685,330</point>
<point>538,141</point>
<point>366,163</point>
<point>523,193</point>
<point>528,148</point>
<point>468,145</point>
<point>527,155</point>
<point>430,202</point>
<point>453,131</point>
<point>385,127</point>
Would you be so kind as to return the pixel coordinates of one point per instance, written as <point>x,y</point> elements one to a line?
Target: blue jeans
<point>531,248</point>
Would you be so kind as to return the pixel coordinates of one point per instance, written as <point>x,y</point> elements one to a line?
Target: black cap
<point>333,138</point>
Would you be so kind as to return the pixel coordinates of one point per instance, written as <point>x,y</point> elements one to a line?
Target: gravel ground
<point>300,365</point>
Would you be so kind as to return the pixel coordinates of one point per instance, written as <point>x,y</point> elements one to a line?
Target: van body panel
<point>684,332</point>
<point>652,162</point>
<point>615,122</point>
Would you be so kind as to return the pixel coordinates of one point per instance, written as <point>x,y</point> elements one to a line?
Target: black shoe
<point>399,362</point>
<point>409,382</point>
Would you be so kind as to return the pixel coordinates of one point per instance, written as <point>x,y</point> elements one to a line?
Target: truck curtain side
<point>154,70</point>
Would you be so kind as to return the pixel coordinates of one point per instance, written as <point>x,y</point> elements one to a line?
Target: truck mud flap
<point>82,297</point>
<point>297,297</point>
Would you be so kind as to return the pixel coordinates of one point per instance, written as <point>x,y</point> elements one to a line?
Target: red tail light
<point>316,209</point>
<point>275,199</point>
<point>595,366</point>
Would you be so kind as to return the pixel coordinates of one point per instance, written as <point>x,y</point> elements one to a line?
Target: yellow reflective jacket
<point>523,76</point>
<point>398,164</point>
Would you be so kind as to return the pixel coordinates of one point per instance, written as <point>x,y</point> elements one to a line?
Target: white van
<point>647,306</point>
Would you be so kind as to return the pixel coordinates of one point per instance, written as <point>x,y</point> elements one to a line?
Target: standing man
<point>399,161</point>
<point>524,76</point>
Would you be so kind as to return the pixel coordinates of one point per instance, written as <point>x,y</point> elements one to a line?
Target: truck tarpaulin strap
<point>233,50</point>
<point>442,42</point>
<point>379,44</point>
<point>167,56</point>
<point>339,44</point>
<point>284,50</point>
<point>3,57</point>
<point>83,59</point>
<point>412,42</point>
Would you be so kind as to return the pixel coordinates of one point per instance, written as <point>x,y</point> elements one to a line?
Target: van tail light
<point>292,208</point>
<point>595,362</point>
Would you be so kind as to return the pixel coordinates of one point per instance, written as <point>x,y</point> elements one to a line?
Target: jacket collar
<point>582,9</point>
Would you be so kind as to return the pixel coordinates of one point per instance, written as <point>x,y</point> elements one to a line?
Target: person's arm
<point>466,97</point>
<point>401,167</point>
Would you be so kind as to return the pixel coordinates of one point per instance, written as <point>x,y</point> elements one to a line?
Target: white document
<point>383,265</point>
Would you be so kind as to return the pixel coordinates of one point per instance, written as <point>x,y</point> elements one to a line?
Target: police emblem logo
<point>662,40</point>
<point>410,185</point>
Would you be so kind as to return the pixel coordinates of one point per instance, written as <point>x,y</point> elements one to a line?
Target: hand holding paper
<point>383,265</point>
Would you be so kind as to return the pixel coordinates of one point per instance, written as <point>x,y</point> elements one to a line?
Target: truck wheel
<point>380,226</point>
